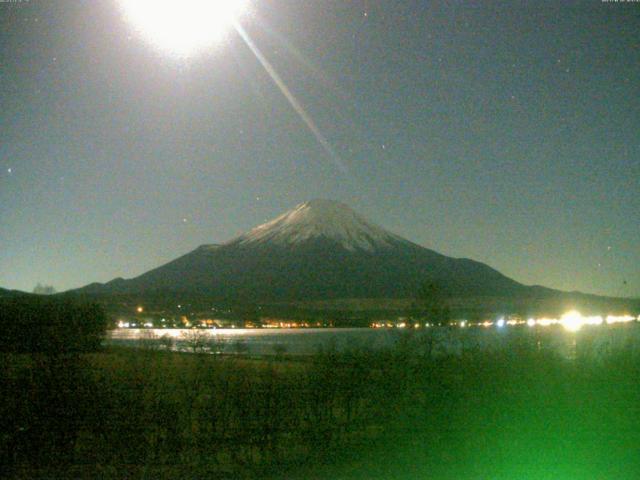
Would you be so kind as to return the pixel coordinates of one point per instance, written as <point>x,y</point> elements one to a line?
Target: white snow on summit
<point>321,218</point>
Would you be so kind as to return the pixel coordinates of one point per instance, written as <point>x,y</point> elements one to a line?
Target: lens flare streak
<point>293,101</point>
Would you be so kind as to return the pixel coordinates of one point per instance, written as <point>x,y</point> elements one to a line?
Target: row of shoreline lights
<point>571,321</point>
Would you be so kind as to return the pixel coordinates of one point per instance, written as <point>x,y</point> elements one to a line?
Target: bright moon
<point>182,27</point>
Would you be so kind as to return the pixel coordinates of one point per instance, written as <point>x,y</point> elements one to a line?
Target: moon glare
<point>183,27</point>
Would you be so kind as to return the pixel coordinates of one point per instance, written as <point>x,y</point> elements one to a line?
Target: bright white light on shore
<point>572,321</point>
<point>531,322</point>
<point>186,26</point>
<point>500,323</point>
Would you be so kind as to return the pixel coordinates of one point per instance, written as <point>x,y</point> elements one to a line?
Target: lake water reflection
<point>593,341</point>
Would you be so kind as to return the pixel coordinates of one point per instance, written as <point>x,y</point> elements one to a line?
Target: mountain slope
<point>319,250</point>
<point>4,293</point>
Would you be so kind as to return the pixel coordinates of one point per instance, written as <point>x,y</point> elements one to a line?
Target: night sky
<point>507,133</point>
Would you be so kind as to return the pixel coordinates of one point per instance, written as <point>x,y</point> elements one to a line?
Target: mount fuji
<point>319,250</point>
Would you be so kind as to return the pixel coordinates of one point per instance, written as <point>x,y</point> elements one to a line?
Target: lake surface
<point>592,340</point>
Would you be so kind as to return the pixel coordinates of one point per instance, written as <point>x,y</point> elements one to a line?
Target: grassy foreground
<point>520,413</point>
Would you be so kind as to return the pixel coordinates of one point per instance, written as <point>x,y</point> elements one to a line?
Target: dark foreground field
<point>517,414</point>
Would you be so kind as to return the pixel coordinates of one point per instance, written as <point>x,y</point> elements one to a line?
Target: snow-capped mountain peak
<point>320,250</point>
<point>320,218</point>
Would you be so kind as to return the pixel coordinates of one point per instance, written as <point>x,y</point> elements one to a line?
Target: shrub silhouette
<point>50,325</point>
